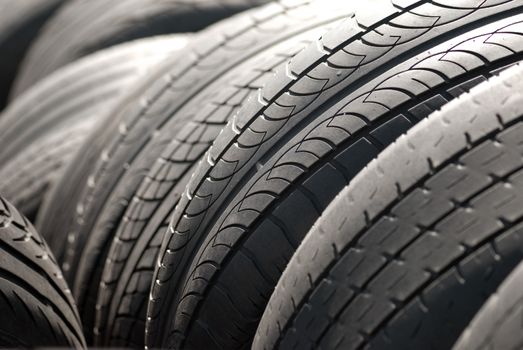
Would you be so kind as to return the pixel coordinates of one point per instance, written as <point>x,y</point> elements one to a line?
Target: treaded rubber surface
<point>410,250</point>
<point>132,254</point>
<point>145,124</point>
<point>307,91</point>
<point>82,27</point>
<point>79,93</point>
<point>244,253</point>
<point>37,306</point>
<point>20,22</point>
<point>498,324</point>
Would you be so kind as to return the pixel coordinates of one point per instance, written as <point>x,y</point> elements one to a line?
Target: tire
<point>497,325</point>
<point>83,27</point>
<point>292,147</point>
<point>139,234</point>
<point>134,141</point>
<point>29,175</point>
<point>407,253</point>
<point>37,306</point>
<point>20,22</point>
<point>79,93</point>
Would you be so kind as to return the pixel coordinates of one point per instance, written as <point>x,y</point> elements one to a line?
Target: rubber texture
<point>411,249</point>
<point>79,93</point>
<point>28,176</point>
<point>132,254</point>
<point>298,141</point>
<point>37,306</point>
<point>20,22</point>
<point>82,27</point>
<point>124,152</point>
<point>498,324</point>
<point>256,226</point>
<point>78,87</point>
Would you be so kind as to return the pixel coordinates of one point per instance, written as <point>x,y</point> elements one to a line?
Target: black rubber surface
<point>20,22</point>
<point>37,309</point>
<point>298,141</point>
<point>498,324</point>
<point>407,253</point>
<point>82,27</point>
<point>80,93</point>
<point>123,153</point>
<point>140,232</point>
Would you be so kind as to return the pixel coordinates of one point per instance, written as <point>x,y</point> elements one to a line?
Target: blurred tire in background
<point>44,127</point>
<point>498,324</point>
<point>82,27</point>
<point>20,23</point>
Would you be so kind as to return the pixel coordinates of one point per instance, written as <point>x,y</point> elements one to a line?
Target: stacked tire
<point>37,306</point>
<point>303,174</point>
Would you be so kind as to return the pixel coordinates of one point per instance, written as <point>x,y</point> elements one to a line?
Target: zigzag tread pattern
<point>162,186</point>
<point>123,160</point>
<point>279,106</point>
<point>308,171</point>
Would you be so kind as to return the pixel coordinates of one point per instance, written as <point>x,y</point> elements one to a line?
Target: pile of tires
<point>291,174</point>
